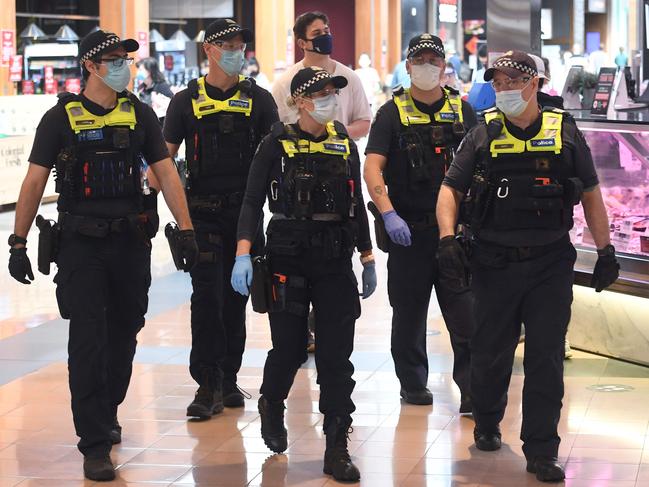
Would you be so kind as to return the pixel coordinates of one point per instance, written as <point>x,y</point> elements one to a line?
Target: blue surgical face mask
<point>511,102</point>
<point>324,109</point>
<point>118,77</point>
<point>231,62</point>
<point>323,44</point>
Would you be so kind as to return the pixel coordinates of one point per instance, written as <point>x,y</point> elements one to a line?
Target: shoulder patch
<point>398,90</point>
<point>340,129</point>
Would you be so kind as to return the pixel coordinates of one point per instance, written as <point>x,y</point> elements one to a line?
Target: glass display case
<point>620,150</point>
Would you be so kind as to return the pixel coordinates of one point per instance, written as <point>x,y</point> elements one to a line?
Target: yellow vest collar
<point>548,139</point>
<point>204,105</point>
<point>334,145</point>
<point>81,119</point>
<point>409,114</point>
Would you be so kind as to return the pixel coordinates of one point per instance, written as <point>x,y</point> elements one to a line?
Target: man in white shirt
<point>311,30</point>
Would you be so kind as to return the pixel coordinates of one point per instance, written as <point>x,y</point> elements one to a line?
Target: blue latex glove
<point>242,274</point>
<point>369,279</point>
<point>397,228</point>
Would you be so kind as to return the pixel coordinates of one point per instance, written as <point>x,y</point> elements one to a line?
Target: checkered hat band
<point>221,33</point>
<point>508,63</point>
<point>320,75</point>
<point>100,48</point>
<point>427,45</point>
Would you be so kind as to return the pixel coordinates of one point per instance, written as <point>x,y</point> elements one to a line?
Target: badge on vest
<point>542,143</point>
<point>239,103</point>
<point>447,116</point>
<point>335,147</point>
<point>90,135</point>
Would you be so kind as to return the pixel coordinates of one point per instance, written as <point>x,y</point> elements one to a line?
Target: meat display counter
<point>616,322</point>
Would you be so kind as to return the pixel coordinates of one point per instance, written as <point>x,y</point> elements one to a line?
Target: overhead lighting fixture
<point>200,37</point>
<point>155,36</point>
<point>179,36</point>
<point>32,31</point>
<point>65,33</point>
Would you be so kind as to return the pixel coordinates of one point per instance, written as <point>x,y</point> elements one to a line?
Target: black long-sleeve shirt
<point>269,153</point>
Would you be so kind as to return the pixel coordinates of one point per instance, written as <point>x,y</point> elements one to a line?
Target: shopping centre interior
<point>597,54</point>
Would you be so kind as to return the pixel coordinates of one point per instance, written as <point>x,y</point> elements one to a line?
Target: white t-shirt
<point>352,102</point>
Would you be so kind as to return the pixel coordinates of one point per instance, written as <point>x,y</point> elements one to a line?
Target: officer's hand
<point>19,266</point>
<point>242,274</point>
<point>607,270</point>
<point>188,249</point>
<point>397,228</point>
<point>453,264</point>
<point>369,279</point>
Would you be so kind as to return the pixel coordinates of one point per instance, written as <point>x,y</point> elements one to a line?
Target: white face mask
<point>425,76</point>
<point>511,102</point>
<point>324,109</point>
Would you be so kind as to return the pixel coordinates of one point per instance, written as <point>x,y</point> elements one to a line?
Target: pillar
<point>127,19</point>
<point>378,32</point>
<point>274,43</point>
<point>8,22</point>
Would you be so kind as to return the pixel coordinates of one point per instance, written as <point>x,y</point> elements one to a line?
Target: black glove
<point>453,264</point>
<point>19,266</point>
<point>606,272</point>
<point>188,249</point>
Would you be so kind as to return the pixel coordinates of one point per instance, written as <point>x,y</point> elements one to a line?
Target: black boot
<point>421,397</point>
<point>98,468</point>
<point>487,439</point>
<point>208,400</point>
<point>233,395</point>
<point>337,461</point>
<point>115,432</point>
<point>547,469</point>
<point>466,406</point>
<point>272,425</point>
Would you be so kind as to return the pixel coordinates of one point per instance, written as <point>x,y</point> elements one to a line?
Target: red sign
<point>169,62</point>
<point>7,47</point>
<point>143,40</point>
<point>73,85</point>
<point>27,87</point>
<point>51,86</point>
<point>16,68</point>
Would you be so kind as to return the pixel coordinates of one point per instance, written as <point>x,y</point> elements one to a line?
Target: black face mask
<point>322,44</point>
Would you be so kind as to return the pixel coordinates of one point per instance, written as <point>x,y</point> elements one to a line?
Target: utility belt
<point>332,242</point>
<point>420,221</point>
<point>320,217</point>
<point>268,291</point>
<point>215,203</point>
<point>143,224</point>
<point>488,253</point>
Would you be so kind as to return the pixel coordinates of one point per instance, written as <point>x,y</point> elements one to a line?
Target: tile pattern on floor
<point>605,435</point>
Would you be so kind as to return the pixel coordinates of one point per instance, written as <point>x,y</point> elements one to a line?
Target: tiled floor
<point>605,437</point>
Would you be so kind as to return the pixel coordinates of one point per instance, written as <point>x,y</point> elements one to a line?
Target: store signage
<point>7,47</point>
<point>27,87</point>
<point>447,11</point>
<point>143,40</point>
<point>603,91</point>
<point>51,86</point>
<point>16,68</point>
<point>73,85</point>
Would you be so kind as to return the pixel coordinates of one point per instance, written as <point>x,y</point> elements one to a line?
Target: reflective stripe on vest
<point>81,119</point>
<point>547,140</point>
<point>204,105</point>
<point>333,145</point>
<point>409,114</point>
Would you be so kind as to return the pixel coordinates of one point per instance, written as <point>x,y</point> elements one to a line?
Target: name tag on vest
<point>542,143</point>
<point>239,103</point>
<point>447,116</point>
<point>88,135</point>
<point>335,147</point>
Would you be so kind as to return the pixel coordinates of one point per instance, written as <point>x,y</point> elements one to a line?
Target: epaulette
<point>341,129</point>
<point>66,97</point>
<point>246,86</point>
<point>132,97</point>
<point>192,87</point>
<point>278,129</point>
<point>489,110</point>
<point>554,109</point>
<point>398,90</point>
<point>451,90</point>
<point>494,128</point>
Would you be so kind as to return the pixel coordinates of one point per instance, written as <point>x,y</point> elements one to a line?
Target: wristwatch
<point>606,251</point>
<point>15,239</point>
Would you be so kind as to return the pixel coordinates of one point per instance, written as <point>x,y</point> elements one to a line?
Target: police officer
<point>524,170</point>
<point>97,141</point>
<point>310,172</point>
<point>411,144</point>
<point>221,117</point>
